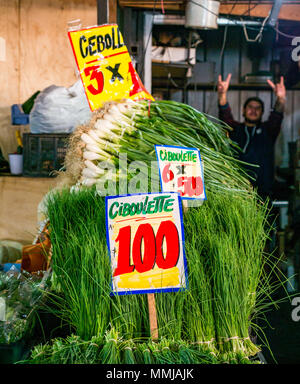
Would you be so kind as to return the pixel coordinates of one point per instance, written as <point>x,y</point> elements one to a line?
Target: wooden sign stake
<point>185,206</point>
<point>152,316</point>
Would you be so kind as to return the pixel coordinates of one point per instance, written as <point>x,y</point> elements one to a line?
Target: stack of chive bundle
<point>133,128</point>
<point>224,241</point>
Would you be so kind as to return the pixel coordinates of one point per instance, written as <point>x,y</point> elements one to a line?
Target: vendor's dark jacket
<point>257,145</point>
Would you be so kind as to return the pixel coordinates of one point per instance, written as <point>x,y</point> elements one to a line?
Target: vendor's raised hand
<point>279,88</point>
<point>223,85</point>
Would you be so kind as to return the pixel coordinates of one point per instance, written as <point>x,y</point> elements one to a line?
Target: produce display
<point>134,128</point>
<point>19,294</point>
<point>210,321</point>
<point>229,287</point>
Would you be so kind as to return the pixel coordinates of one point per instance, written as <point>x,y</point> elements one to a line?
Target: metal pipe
<point>223,22</point>
<point>102,11</point>
<point>180,20</point>
<point>274,13</point>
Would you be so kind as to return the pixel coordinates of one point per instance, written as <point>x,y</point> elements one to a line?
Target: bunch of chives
<point>224,246</point>
<point>233,232</point>
<point>79,260</point>
<point>81,266</point>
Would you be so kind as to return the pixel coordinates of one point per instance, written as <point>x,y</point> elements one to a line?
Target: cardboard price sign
<point>105,66</point>
<point>145,239</point>
<point>181,170</point>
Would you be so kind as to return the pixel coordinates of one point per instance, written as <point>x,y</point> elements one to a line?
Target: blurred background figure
<point>255,138</point>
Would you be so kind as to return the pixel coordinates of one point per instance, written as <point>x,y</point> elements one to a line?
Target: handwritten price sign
<point>105,66</point>
<point>145,240</point>
<point>181,171</point>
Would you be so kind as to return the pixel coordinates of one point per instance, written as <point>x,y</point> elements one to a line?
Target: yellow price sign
<point>105,66</point>
<point>145,238</point>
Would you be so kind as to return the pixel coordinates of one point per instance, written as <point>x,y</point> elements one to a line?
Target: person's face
<point>253,112</point>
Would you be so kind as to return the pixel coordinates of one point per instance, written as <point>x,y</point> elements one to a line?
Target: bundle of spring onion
<point>135,127</point>
<point>112,349</point>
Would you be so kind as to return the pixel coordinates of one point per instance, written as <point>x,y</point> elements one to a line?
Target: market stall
<point>146,241</point>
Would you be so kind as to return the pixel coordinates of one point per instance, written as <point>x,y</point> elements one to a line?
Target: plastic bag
<point>21,294</point>
<point>59,109</point>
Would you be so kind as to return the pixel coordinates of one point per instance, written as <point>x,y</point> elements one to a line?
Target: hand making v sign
<point>223,88</point>
<point>280,92</point>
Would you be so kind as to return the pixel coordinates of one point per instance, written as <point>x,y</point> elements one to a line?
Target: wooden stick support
<point>152,316</point>
<point>185,206</point>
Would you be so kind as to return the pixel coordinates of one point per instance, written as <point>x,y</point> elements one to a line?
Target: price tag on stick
<point>145,239</point>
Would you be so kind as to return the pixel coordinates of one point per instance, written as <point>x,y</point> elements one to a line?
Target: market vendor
<point>256,138</point>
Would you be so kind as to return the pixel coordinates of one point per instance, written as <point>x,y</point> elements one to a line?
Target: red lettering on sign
<point>180,183</point>
<point>168,231</point>
<point>136,81</point>
<point>124,238</point>
<point>96,75</point>
<point>192,186</point>
<point>167,174</point>
<point>153,248</point>
<point>145,231</point>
